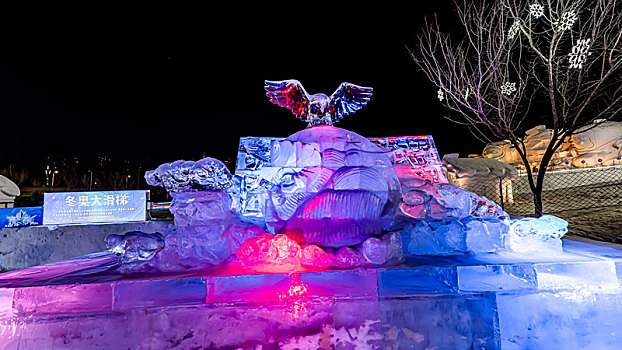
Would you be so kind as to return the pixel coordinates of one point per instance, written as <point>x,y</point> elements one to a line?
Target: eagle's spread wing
<point>347,99</point>
<point>289,94</point>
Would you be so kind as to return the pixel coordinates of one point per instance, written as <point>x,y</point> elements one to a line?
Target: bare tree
<point>562,54</point>
<point>17,175</point>
<point>71,178</point>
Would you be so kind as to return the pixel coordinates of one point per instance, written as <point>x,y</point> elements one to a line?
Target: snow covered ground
<point>603,224</point>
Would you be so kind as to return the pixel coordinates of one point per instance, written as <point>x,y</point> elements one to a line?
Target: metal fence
<point>563,190</point>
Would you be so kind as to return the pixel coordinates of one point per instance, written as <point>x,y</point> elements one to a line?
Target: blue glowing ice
<point>536,234</point>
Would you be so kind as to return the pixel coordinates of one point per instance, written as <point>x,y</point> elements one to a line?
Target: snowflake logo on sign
<point>579,53</point>
<point>21,219</point>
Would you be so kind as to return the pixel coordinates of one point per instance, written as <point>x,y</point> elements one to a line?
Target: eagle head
<point>318,105</point>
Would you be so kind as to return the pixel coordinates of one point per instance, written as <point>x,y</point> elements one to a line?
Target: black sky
<point>182,85</point>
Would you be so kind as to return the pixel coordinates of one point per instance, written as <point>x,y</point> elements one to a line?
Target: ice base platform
<point>567,301</point>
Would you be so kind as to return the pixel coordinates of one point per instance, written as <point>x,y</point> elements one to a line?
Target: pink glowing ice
<point>269,249</point>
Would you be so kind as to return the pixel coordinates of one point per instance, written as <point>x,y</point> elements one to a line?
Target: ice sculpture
<point>536,234</point>
<point>202,210</point>
<point>135,246</point>
<point>317,109</point>
<point>413,157</point>
<point>279,253</point>
<point>328,197</point>
<point>332,187</point>
<point>285,255</point>
<point>182,176</point>
<point>201,219</point>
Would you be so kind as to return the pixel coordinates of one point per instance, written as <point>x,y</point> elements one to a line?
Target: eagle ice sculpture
<point>317,109</point>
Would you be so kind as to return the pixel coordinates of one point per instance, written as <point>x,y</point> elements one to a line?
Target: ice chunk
<point>437,237</point>
<point>346,257</point>
<point>482,278</point>
<point>237,234</point>
<point>135,246</point>
<point>203,243</point>
<point>315,256</point>
<point>201,219</point>
<point>485,235</point>
<point>420,280</point>
<point>179,176</point>
<point>201,208</point>
<point>95,297</point>
<point>577,319</point>
<point>379,251</point>
<point>269,250</point>
<point>155,293</point>
<point>420,322</point>
<point>536,234</point>
<point>464,203</point>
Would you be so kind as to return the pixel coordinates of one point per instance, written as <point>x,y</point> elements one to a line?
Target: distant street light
<point>47,176</point>
<point>54,173</point>
<point>127,178</point>
<point>90,182</point>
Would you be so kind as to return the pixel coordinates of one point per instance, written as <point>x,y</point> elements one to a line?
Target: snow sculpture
<point>536,140</point>
<point>8,190</point>
<point>490,177</point>
<point>318,109</point>
<point>334,188</point>
<point>598,145</point>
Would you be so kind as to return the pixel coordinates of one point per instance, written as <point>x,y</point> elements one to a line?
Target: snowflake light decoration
<point>513,29</point>
<point>536,10</point>
<point>566,21</point>
<point>579,53</point>
<point>508,88</point>
<point>440,94</point>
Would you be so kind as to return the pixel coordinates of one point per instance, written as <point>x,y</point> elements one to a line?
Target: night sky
<point>157,89</point>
